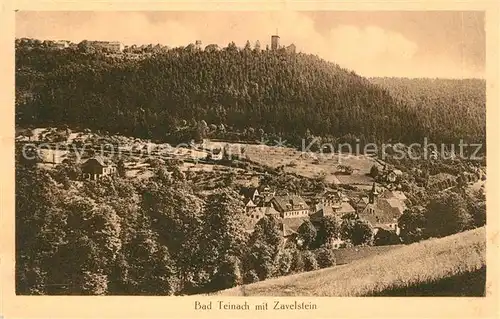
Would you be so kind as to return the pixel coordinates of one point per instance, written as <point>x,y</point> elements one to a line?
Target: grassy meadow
<point>305,164</point>
<point>449,266</point>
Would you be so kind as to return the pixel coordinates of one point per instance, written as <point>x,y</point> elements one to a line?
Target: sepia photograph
<point>258,153</point>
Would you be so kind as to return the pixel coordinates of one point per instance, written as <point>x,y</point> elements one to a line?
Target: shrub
<point>386,237</point>
<point>310,262</point>
<point>447,214</point>
<point>374,171</point>
<point>285,258</point>
<point>298,262</point>
<point>250,277</point>
<point>307,234</point>
<point>325,257</point>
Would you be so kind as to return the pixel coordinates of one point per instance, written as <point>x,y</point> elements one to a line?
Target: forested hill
<point>450,107</point>
<point>246,88</point>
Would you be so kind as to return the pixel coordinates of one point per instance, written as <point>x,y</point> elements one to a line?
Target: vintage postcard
<point>247,159</point>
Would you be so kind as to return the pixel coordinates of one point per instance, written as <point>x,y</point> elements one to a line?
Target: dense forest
<point>455,108</point>
<point>274,91</point>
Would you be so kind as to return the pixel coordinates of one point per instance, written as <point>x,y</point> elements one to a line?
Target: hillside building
<point>249,205</point>
<point>383,211</point>
<point>332,204</point>
<point>250,193</point>
<point>112,46</point>
<point>96,167</point>
<point>197,44</point>
<point>290,206</point>
<point>291,48</point>
<point>275,42</point>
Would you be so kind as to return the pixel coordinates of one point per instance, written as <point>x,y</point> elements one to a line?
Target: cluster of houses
<point>381,209</point>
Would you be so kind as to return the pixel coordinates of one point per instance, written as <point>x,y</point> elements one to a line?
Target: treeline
<point>451,108</point>
<point>157,236</point>
<point>444,214</point>
<point>276,91</point>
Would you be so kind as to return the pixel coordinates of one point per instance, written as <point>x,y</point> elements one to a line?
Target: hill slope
<point>453,99</point>
<point>450,266</point>
<point>273,90</point>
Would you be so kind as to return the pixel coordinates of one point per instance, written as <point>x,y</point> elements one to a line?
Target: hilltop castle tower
<point>275,42</point>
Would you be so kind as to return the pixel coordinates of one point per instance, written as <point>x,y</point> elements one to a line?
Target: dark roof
<point>248,192</point>
<point>381,215</point>
<point>99,160</point>
<point>290,202</point>
<point>266,210</point>
<point>294,223</point>
<point>287,231</point>
<point>346,208</point>
<point>250,203</point>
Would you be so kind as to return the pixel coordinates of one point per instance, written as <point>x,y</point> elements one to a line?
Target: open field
<point>454,265</point>
<point>306,164</point>
<point>348,255</point>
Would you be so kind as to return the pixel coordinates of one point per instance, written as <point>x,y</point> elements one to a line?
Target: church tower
<point>373,194</point>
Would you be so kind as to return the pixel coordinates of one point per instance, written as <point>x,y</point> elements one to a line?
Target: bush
<point>325,257</point>
<point>447,214</point>
<point>310,262</point>
<point>285,259</point>
<point>374,171</point>
<point>250,277</point>
<point>307,234</point>
<point>298,262</point>
<point>386,237</point>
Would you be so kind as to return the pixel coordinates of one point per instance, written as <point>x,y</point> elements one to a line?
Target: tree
<point>478,213</point>
<point>264,247</point>
<point>307,234</point>
<point>310,262</point>
<point>447,214</point>
<point>228,274</point>
<point>476,205</point>
<point>328,229</point>
<point>412,224</point>
<point>231,47</point>
<point>284,262</point>
<point>362,233</point>
<point>325,257</point>
<point>250,277</point>
<point>248,47</point>
<point>262,259</point>
<point>357,231</point>
<point>257,46</point>
<point>40,229</point>
<point>151,270</point>
<point>297,261</point>
<point>223,232</point>
<point>386,237</point>
<point>120,168</point>
<point>374,171</point>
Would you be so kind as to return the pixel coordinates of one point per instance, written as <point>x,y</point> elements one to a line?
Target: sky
<point>444,44</point>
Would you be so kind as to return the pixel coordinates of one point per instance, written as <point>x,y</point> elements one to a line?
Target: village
<point>379,200</point>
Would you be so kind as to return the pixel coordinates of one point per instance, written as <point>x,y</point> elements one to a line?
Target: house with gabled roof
<point>96,167</point>
<point>290,206</point>
<point>337,210</point>
<point>250,193</point>
<point>249,205</point>
<point>382,212</point>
